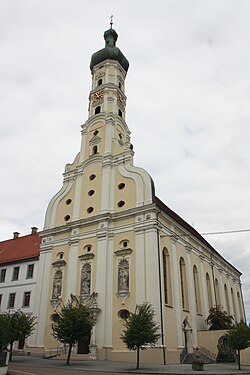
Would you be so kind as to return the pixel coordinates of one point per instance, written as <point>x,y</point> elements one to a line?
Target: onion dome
<point>110,51</point>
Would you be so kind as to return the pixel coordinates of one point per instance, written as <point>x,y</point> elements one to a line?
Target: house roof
<point>189,228</point>
<point>20,248</point>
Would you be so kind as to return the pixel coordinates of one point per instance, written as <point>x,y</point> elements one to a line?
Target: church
<point>110,242</point>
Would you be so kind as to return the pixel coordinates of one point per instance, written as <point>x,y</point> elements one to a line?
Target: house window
<point>11,302</point>
<point>30,271</point>
<point>26,299</point>
<point>15,273</point>
<point>3,275</point>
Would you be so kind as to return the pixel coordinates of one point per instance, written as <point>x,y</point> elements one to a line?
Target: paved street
<point>39,366</point>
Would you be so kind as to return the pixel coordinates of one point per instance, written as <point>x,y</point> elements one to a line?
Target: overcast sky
<point>188,89</point>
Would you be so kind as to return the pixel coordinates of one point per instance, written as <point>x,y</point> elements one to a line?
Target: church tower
<point>112,244</point>
<point>98,218</point>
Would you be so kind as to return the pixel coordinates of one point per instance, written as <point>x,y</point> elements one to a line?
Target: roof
<point>189,228</point>
<point>20,248</point>
<point>110,51</point>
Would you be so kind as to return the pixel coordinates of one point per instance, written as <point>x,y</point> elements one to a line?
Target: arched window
<point>217,292</point>
<point>166,277</point>
<point>99,83</point>
<point>120,113</point>
<point>197,290</point>
<point>240,306</point>
<point>183,279</point>
<point>227,299</point>
<point>97,109</point>
<point>233,304</point>
<point>209,291</point>
<point>94,150</point>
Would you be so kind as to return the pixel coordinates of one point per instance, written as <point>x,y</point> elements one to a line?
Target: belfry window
<point>99,83</point>
<point>97,109</point>
<point>120,113</point>
<point>94,150</point>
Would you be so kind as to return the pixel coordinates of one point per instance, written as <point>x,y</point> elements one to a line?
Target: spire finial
<point>111,20</point>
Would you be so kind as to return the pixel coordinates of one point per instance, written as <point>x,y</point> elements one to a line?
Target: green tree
<point>140,329</point>
<point>239,338</point>
<point>20,326</point>
<point>15,326</point>
<point>219,319</point>
<point>74,322</point>
<point>4,332</point>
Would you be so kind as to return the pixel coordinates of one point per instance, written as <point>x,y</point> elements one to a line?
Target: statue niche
<point>85,280</point>
<point>123,277</point>
<point>225,353</point>
<point>57,285</point>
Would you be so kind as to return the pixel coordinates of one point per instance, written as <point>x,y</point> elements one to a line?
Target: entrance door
<point>83,346</point>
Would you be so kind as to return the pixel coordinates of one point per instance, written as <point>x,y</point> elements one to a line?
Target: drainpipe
<point>160,290</point>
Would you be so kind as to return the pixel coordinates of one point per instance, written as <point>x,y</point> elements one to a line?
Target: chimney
<point>33,230</point>
<point>15,235</point>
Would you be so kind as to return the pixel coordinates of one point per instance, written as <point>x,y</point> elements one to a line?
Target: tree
<point>74,322</point>
<point>219,319</point>
<point>140,329</point>
<point>239,338</point>
<point>4,332</point>
<point>20,326</point>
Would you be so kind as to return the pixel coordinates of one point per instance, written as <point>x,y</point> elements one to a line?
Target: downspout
<point>212,267</point>
<point>160,291</point>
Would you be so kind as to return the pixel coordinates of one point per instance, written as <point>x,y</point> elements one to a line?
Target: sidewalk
<point>121,367</point>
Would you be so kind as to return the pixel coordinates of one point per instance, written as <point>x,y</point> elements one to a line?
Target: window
<point>94,150</point>
<point>217,292</point>
<point>121,186</point>
<point>91,192</point>
<point>68,201</point>
<point>227,299</point>
<point>1,299</point>
<point>15,273</point>
<point>120,85</point>
<point>197,290</point>
<point>11,302</point>
<point>166,277</point>
<point>90,209</point>
<point>183,278</point>
<point>120,203</point>
<point>92,177</point>
<point>240,306</point>
<point>125,243</point>
<point>99,82</point>
<point>98,109</point>
<point>66,218</point>
<point>30,271</point>
<point>233,303</point>
<point>2,275</point>
<point>209,291</point>
<point>123,314</point>
<point>26,299</point>
<point>120,113</point>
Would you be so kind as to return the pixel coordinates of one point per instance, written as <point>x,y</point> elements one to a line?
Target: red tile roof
<point>20,248</point>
